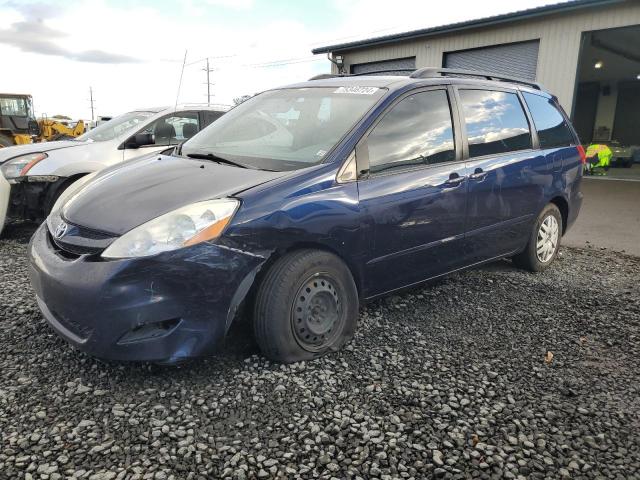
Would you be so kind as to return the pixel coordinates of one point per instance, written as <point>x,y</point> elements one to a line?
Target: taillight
<point>583,155</point>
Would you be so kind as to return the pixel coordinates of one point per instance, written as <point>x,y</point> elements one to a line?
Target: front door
<point>414,197</point>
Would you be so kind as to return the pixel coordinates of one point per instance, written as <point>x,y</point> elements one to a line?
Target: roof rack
<point>429,72</point>
<point>378,72</point>
<point>323,76</point>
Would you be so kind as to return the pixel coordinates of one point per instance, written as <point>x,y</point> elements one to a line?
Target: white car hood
<point>8,153</point>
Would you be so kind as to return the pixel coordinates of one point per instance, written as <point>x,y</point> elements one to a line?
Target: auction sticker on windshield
<point>357,90</point>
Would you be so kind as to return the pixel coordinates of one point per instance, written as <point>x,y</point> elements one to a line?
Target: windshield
<point>115,127</point>
<point>285,129</point>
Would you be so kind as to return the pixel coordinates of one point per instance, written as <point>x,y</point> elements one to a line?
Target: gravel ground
<point>447,381</point>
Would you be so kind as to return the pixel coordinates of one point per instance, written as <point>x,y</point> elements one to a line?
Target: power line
<point>362,35</point>
<point>358,36</point>
<point>209,58</point>
<point>180,82</point>
<point>286,61</point>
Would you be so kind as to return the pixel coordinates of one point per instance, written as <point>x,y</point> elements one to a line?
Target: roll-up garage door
<point>625,127</point>
<point>404,65</point>
<point>511,59</point>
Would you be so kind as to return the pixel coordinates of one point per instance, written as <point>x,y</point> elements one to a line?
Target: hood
<point>123,197</point>
<point>17,150</point>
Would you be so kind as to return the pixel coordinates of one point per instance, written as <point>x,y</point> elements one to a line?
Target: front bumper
<point>164,308</point>
<point>29,198</point>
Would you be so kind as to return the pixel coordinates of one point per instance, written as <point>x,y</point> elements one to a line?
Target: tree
<point>243,98</point>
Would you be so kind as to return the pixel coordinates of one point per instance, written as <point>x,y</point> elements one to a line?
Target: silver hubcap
<point>547,241</point>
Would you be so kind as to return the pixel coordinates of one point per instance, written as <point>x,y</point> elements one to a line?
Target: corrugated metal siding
<point>559,37</point>
<point>513,59</point>
<point>405,65</point>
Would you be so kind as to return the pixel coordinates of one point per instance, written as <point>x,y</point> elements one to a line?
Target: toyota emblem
<point>61,229</point>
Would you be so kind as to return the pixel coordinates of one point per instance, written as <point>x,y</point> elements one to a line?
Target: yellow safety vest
<point>603,153</point>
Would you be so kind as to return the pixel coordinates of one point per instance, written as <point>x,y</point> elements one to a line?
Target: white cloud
<point>254,58</point>
<point>235,4</point>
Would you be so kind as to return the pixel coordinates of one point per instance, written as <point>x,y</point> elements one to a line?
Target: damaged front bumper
<point>165,308</point>
<point>30,196</point>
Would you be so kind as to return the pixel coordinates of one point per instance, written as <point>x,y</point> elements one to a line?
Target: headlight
<point>183,227</point>
<point>19,166</point>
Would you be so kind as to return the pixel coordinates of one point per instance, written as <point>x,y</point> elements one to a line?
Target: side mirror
<point>140,140</point>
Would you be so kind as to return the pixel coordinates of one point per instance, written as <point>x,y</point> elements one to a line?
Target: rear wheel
<point>5,141</point>
<point>544,241</point>
<point>305,307</point>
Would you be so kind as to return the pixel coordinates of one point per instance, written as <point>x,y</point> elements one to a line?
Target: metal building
<point>587,52</point>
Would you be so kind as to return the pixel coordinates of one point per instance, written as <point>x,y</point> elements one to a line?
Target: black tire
<point>529,259</point>
<point>305,307</point>
<point>6,141</point>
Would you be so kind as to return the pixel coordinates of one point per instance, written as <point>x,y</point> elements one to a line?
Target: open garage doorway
<point>607,102</point>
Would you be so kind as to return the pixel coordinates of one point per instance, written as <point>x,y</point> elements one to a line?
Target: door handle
<point>454,180</point>
<point>478,174</point>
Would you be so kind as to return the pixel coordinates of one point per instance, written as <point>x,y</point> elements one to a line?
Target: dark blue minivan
<point>301,203</point>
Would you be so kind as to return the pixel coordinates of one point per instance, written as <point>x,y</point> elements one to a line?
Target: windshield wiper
<point>215,158</point>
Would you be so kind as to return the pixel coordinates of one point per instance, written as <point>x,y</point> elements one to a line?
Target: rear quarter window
<point>552,128</point>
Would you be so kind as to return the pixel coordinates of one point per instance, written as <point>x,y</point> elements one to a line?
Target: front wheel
<point>544,241</point>
<point>305,307</point>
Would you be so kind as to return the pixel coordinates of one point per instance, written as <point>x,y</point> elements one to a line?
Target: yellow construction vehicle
<point>17,121</point>
<point>57,128</point>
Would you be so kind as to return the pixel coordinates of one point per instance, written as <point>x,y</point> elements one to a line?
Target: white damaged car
<point>34,175</point>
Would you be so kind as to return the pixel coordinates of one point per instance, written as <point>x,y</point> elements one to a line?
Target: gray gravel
<point>446,381</point>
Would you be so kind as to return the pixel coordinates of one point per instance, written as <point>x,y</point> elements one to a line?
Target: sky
<point>130,52</point>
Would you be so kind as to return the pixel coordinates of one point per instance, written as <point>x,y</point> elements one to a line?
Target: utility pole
<point>91,99</point>
<point>208,70</point>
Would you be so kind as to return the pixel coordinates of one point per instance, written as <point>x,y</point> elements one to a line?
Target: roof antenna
<point>184,62</point>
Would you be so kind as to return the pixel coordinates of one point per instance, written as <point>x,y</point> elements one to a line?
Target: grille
<point>79,240</point>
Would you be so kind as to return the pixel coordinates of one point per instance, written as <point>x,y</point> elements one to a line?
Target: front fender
<point>303,213</point>
<point>81,159</point>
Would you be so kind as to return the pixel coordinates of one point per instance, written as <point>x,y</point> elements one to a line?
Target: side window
<point>173,129</point>
<point>416,131</point>
<point>552,128</point>
<point>495,122</point>
<point>210,117</point>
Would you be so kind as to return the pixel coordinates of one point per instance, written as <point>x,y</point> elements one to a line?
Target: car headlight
<point>195,223</point>
<point>19,166</point>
